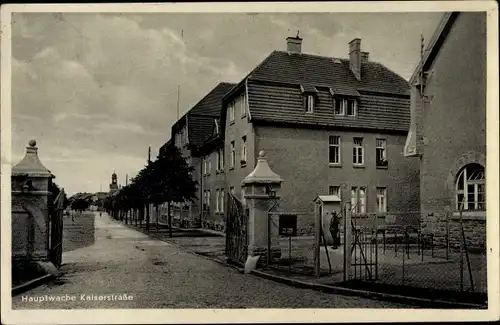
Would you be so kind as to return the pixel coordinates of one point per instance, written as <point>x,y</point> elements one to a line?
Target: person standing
<point>334,229</point>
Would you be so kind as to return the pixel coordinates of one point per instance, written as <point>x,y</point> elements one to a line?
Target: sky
<point>97,89</point>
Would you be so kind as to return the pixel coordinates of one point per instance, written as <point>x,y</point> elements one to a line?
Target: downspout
<point>202,197</point>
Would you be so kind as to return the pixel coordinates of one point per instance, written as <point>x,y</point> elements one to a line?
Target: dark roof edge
<point>435,42</point>
<point>248,76</point>
<point>361,90</point>
<point>263,121</point>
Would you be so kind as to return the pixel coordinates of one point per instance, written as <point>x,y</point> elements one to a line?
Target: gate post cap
<point>262,173</point>
<point>31,164</point>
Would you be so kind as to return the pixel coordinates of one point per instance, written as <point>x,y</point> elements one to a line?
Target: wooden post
<point>347,241</point>
<point>318,210</point>
<point>169,220</point>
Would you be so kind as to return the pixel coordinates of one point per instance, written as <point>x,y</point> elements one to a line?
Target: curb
<point>422,302</point>
<point>412,301</point>
<point>32,284</point>
<point>213,259</point>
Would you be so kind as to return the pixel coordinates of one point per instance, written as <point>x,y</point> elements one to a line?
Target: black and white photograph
<point>275,161</point>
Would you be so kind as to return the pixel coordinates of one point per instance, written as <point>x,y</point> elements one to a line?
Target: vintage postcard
<point>249,162</point>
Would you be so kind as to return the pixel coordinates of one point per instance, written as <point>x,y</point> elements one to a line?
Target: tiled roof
<point>284,104</point>
<point>201,117</point>
<point>275,92</point>
<point>200,129</point>
<point>211,104</point>
<point>314,70</point>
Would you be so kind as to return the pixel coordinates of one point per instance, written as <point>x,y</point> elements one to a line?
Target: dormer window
<point>309,92</point>
<point>345,106</point>
<point>310,104</point>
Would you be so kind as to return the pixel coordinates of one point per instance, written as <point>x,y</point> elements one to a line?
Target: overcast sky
<point>95,90</point>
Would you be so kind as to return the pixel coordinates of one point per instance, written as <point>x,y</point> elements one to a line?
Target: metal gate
<point>360,246</point>
<point>56,230</point>
<point>236,230</point>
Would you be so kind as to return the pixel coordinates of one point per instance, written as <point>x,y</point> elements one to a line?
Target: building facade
<point>328,126</point>
<point>448,129</point>
<point>189,134</point>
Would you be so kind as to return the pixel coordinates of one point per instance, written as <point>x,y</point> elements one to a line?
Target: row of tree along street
<point>168,179</point>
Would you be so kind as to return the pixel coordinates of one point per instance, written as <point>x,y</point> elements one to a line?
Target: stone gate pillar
<point>30,208</point>
<point>261,188</point>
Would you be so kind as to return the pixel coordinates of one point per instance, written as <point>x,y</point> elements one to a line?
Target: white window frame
<point>354,199</point>
<point>217,157</point>
<point>217,201</point>
<point>243,108</point>
<point>221,158</point>
<point>233,154</point>
<point>244,148</point>
<point>332,146</point>
<point>381,199</point>
<point>358,152</point>
<point>309,103</point>
<point>354,107</point>
<point>381,146</point>
<point>209,197</point>
<point>231,111</point>
<point>342,106</point>
<point>476,180</point>
<point>362,200</point>
<point>221,192</point>
<point>334,190</point>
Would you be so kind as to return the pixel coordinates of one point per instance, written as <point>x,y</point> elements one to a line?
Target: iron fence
<point>295,254</point>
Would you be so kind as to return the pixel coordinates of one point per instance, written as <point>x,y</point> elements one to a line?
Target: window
<point>357,151</point>
<point>381,199</point>
<point>381,152</point>
<point>221,210</point>
<point>351,107</point>
<point>343,106</point>
<point>217,200</point>
<point>206,204</point>
<point>470,188</point>
<point>217,157</point>
<point>231,112</point>
<point>209,164</point>
<point>354,199</point>
<point>220,160</point>
<point>334,190</point>
<point>309,103</point>
<point>243,104</point>
<point>362,200</point>
<point>243,150</point>
<point>233,158</point>
<point>209,199</point>
<point>334,150</point>
<point>339,108</point>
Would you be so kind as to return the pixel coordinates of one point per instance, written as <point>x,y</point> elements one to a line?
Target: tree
<point>172,180</point>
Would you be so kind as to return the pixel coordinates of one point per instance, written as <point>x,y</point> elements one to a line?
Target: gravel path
<point>154,274</point>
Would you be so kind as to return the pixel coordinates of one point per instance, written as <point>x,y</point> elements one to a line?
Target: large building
<point>448,129</point>
<point>189,134</point>
<point>328,126</point>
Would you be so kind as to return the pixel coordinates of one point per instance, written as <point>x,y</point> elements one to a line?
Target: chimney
<point>355,57</point>
<point>364,57</point>
<point>294,44</point>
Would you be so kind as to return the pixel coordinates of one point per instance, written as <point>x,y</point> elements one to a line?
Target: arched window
<point>470,188</point>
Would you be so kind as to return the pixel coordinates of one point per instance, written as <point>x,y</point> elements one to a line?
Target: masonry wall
<point>300,157</point>
<point>454,127</point>
<point>234,132</point>
<point>213,180</point>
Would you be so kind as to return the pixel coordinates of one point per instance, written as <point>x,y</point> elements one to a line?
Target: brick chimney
<point>364,57</point>
<point>294,44</point>
<point>355,57</point>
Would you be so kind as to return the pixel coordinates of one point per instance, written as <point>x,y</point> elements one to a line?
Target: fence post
<point>317,239</point>
<point>447,235</point>
<point>347,241</point>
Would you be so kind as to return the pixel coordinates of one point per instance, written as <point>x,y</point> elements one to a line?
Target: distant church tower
<point>113,187</point>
